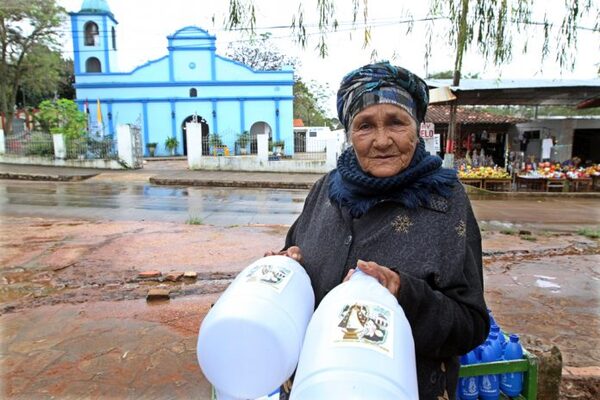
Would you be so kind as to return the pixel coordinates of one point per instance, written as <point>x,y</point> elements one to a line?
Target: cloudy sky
<point>144,25</point>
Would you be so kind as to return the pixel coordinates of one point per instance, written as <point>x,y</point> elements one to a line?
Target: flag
<point>99,113</point>
<point>86,106</point>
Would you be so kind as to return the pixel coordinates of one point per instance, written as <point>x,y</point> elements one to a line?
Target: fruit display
<point>557,171</point>
<point>468,172</point>
<point>593,170</point>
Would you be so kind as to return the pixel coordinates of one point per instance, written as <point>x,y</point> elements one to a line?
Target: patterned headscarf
<point>381,83</point>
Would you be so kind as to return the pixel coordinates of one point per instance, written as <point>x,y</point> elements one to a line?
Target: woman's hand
<point>292,252</point>
<point>386,277</point>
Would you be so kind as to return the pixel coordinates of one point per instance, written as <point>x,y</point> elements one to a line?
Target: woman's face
<point>384,137</point>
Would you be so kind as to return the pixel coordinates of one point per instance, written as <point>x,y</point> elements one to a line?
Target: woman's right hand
<point>292,252</point>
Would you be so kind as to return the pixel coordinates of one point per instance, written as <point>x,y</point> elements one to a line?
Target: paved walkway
<point>164,172</point>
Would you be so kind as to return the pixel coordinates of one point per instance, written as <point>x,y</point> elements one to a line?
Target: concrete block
<point>149,274</point>
<point>158,294</point>
<point>190,274</point>
<point>174,276</point>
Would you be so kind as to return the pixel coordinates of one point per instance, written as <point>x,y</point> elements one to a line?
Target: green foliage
<point>530,238</point>
<point>450,74</point>
<point>308,100</point>
<point>489,25</point>
<point>62,116</point>
<point>40,144</point>
<point>243,139</point>
<point>278,143</point>
<point>509,231</point>
<point>29,39</point>
<point>214,140</point>
<point>193,220</point>
<point>171,143</point>
<point>592,233</point>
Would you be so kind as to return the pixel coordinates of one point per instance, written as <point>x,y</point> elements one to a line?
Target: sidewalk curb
<point>35,177</point>
<point>222,183</point>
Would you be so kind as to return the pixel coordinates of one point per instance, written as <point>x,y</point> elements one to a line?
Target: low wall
<point>252,163</point>
<point>55,162</point>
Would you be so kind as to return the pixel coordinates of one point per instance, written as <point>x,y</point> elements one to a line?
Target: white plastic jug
<point>249,343</point>
<point>358,345</point>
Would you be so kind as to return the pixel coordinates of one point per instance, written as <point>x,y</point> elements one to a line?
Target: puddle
<point>546,285</point>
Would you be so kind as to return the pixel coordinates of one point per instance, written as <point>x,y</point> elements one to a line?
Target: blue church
<point>162,95</point>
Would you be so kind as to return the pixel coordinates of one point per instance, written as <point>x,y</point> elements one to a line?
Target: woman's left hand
<point>386,277</point>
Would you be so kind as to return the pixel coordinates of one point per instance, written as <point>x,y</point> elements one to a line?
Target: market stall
<point>489,178</point>
<point>548,177</point>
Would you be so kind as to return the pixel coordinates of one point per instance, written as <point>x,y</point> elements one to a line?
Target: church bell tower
<point>94,35</point>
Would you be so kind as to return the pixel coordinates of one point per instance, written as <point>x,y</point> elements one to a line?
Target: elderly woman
<point>390,209</point>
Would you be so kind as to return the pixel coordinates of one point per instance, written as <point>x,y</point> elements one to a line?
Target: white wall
<point>561,128</point>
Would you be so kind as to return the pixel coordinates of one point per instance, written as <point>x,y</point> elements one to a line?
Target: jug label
<point>367,325</point>
<point>276,277</point>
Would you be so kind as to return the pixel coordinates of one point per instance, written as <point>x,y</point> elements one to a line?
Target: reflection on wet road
<point>117,201</point>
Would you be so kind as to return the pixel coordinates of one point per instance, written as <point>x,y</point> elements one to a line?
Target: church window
<point>92,64</point>
<point>114,38</point>
<point>193,92</point>
<point>92,36</point>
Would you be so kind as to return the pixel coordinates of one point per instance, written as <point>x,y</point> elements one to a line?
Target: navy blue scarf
<point>351,187</point>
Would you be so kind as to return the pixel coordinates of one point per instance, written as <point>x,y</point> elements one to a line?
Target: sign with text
<point>427,130</point>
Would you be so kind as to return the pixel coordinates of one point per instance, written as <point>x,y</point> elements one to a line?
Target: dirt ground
<point>76,324</point>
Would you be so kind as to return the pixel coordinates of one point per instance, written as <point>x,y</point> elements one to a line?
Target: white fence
<point>316,156</point>
<point>38,148</point>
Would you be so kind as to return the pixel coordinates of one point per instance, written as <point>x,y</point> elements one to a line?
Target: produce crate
<point>528,365</point>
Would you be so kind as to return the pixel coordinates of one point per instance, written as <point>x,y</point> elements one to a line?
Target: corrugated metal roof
<point>441,115</point>
<point>493,84</point>
<point>521,91</point>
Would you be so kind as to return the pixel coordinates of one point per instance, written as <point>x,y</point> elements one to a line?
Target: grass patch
<point>194,220</point>
<point>592,233</point>
<point>509,231</point>
<point>531,238</point>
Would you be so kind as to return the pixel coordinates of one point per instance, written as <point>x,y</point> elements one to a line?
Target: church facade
<point>190,81</point>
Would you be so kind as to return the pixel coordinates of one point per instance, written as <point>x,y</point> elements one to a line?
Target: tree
<point>308,103</point>
<point>29,33</point>
<point>260,54</point>
<point>450,74</point>
<point>488,24</point>
<point>62,116</point>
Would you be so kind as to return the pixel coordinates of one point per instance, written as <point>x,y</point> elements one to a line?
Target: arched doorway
<point>259,128</point>
<point>205,130</point>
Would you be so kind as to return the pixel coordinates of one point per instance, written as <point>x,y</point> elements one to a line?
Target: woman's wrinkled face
<point>384,137</point>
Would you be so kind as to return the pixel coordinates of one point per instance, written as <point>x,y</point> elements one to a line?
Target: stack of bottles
<point>495,348</point>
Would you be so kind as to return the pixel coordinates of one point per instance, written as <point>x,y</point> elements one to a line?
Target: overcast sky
<point>144,25</point>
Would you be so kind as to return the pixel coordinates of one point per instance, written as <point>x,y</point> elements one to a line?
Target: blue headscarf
<point>349,185</point>
<point>381,83</point>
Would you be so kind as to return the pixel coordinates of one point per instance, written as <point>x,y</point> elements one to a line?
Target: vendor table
<point>580,185</point>
<point>596,182</point>
<point>555,185</point>
<point>472,182</point>
<point>530,184</point>
<point>497,185</point>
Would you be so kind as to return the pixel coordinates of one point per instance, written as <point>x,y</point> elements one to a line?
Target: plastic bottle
<point>496,329</point>
<point>489,385</point>
<point>250,341</point>
<point>469,386</point>
<point>496,345</point>
<point>512,383</point>
<point>358,345</point>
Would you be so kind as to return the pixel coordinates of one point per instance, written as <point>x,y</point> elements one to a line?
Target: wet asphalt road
<point>139,202</point>
<point>136,201</point>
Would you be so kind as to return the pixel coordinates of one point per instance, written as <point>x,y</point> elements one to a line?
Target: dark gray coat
<point>435,250</point>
